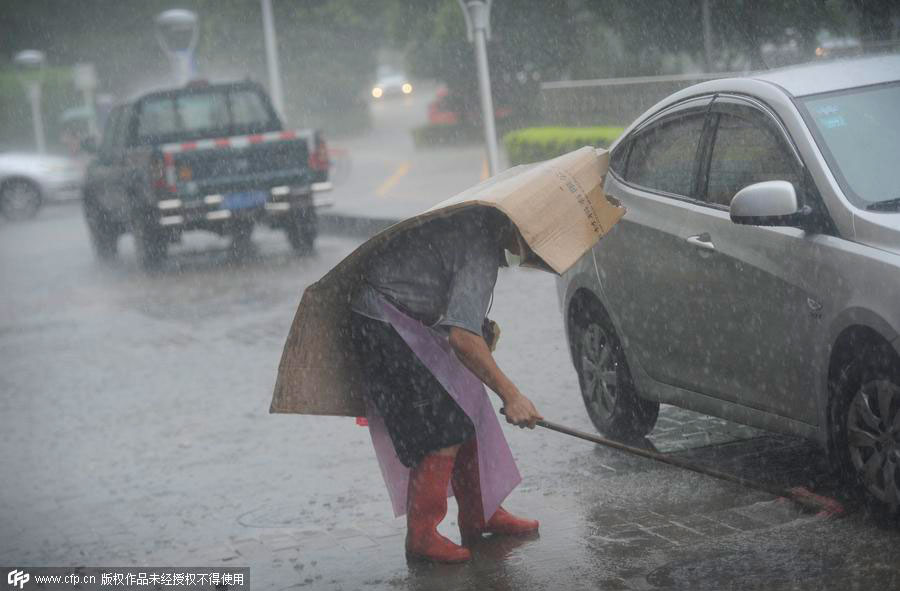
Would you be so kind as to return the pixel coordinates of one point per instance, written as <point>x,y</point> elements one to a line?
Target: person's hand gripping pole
<point>473,352</point>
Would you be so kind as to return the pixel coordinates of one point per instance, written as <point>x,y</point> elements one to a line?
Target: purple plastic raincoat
<point>497,468</point>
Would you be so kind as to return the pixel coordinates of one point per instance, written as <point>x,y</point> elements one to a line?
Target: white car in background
<point>28,181</point>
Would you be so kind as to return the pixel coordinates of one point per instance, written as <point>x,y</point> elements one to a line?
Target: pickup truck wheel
<point>607,387</point>
<point>302,230</point>
<point>150,241</point>
<point>242,237</point>
<point>20,199</point>
<point>104,233</point>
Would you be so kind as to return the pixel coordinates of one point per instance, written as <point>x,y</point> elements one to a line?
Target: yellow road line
<point>485,171</point>
<point>392,180</point>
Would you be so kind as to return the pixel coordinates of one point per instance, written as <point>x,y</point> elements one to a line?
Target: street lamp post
<point>271,42</point>
<point>478,25</point>
<point>176,31</point>
<point>30,64</point>
<point>85,78</point>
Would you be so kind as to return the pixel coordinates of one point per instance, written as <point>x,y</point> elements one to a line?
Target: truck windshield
<point>204,114</point>
<point>858,131</point>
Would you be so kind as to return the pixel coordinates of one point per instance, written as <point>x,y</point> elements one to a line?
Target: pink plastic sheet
<point>496,466</point>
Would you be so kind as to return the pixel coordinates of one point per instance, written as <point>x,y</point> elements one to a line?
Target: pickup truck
<point>211,157</point>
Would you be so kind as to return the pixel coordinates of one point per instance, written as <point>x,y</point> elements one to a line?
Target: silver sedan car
<point>756,274</point>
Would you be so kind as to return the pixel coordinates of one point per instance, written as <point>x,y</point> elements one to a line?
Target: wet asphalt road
<point>135,430</point>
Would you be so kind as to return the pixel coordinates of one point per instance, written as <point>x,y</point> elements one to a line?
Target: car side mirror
<point>770,203</point>
<point>89,145</point>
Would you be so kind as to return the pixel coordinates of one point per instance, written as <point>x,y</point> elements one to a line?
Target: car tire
<point>20,199</point>
<point>150,241</point>
<point>865,425</point>
<point>242,237</point>
<point>607,387</point>
<point>302,229</point>
<point>104,233</point>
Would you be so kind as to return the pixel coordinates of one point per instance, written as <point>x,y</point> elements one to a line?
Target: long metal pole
<point>707,36</point>
<point>272,56</point>
<point>92,112</point>
<point>479,24</point>
<point>34,97</point>
<point>184,65</point>
<point>800,495</point>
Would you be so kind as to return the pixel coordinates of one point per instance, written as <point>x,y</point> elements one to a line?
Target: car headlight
<point>377,92</point>
<point>406,88</point>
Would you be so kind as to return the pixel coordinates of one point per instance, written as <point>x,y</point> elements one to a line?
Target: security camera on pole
<point>30,66</point>
<point>176,31</point>
<point>478,27</point>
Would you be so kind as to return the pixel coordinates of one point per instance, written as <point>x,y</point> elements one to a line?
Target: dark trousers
<point>420,416</point>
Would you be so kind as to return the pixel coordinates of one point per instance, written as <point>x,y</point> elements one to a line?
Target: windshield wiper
<point>886,205</point>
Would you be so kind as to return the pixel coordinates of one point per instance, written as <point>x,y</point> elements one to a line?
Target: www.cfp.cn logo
<point>17,578</point>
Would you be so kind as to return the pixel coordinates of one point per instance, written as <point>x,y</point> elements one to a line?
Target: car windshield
<point>858,131</point>
<point>203,114</point>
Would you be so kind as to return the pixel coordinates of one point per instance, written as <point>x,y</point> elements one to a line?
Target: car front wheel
<point>867,430</point>
<point>607,388</point>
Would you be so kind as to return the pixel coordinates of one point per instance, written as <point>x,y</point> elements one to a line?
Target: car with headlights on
<point>756,273</point>
<point>391,84</point>
<point>30,180</point>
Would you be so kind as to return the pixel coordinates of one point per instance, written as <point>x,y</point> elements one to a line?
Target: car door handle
<point>702,241</point>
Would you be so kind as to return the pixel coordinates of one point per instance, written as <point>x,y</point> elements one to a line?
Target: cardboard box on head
<point>559,210</point>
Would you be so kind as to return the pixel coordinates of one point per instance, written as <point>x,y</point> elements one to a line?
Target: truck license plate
<point>244,199</point>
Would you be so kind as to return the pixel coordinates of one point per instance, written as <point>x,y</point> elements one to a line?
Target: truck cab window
<point>248,109</point>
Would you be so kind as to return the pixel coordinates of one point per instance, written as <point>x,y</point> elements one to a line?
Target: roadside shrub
<point>534,144</point>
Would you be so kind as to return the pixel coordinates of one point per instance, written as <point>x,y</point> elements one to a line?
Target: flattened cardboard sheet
<point>560,211</point>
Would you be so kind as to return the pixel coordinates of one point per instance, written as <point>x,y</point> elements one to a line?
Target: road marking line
<point>485,172</point>
<point>392,180</point>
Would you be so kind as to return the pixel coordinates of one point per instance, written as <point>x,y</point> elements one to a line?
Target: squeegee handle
<point>811,503</point>
<point>650,454</point>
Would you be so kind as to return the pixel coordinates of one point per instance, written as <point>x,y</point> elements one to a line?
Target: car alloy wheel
<point>599,371</point>
<point>609,394</point>
<point>873,439</point>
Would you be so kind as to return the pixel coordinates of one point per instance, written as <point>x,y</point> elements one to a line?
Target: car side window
<point>747,151</point>
<point>618,158</point>
<point>662,157</point>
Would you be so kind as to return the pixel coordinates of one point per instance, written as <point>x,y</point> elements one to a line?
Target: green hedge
<point>534,144</point>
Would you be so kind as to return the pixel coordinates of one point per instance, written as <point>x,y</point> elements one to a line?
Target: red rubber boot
<point>467,489</point>
<point>426,507</point>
